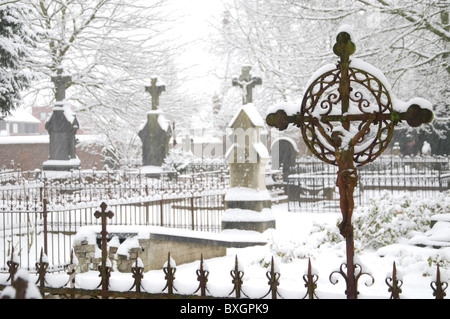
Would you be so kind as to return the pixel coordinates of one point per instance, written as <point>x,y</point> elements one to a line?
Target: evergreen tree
<point>15,41</point>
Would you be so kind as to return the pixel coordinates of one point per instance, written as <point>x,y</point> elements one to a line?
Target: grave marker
<point>62,127</point>
<point>155,134</point>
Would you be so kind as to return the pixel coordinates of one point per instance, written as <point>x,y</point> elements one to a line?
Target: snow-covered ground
<point>294,228</point>
<point>296,234</point>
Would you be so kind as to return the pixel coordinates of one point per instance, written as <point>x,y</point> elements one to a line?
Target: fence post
<point>161,208</point>
<point>44,216</point>
<point>192,211</point>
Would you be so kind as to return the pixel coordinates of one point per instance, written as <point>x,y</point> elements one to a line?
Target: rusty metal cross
<point>347,119</point>
<point>247,83</point>
<point>155,91</point>
<point>104,271</point>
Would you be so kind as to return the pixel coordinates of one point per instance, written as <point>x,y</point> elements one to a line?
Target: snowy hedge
<point>388,219</point>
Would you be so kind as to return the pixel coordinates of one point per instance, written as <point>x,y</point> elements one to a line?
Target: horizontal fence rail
<point>48,213</point>
<point>71,289</point>
<point>311,183</point>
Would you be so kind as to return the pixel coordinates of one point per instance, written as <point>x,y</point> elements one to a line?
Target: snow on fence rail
<point>138,286</point>
<point>312,183</point>
<point>44,214</point>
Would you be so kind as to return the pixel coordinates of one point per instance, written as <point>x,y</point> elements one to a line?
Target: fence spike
<point>438,286</point>
<point>273,282</point>
<point>310,282</point>
<point>202,278</point>
<point>12,266</point>
<point>41,268</point>
<point>237,275</point>
<point>138,274</point>
<point>394,284</point>
<point>170,277</point>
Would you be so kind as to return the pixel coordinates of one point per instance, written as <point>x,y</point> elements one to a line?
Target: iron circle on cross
<point>368,98</point>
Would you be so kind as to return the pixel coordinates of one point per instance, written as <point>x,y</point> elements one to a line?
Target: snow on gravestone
<point>155,133</point>
<point>62,126</point>
<point>247,202</point>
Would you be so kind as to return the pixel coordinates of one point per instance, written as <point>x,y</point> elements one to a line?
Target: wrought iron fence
<point>312,183</point>
<point>48,214</point>
<point>70,289</point>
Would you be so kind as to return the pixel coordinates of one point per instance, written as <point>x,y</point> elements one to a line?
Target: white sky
<point>195,26</point>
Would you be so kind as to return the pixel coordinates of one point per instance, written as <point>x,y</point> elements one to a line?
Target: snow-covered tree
<point>288,40</point>
<point>16,39</point>
<point>111,49</point>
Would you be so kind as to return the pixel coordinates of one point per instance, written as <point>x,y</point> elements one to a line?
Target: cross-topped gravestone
<point>104,270</point>
<point>247,83</point>
<point>60,80</point>
<point>347,119</point>
<point>154,134</point>
<point>62,127</point>
<point>155,91</point>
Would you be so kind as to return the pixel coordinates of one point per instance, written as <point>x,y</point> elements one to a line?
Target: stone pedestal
<point>247,202</point>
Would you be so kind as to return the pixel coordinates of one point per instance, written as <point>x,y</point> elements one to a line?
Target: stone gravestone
<point>284,152</point>
<point>154,134</point>
<point>62,126</point>
<point>247,202</point>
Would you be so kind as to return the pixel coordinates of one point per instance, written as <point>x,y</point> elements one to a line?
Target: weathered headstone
<point>247,202</point>
<point>155,134</point>
<point>62,126</point>
<point>284,152</point>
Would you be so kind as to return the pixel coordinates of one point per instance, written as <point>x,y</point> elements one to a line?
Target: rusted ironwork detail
<point>202,278</point>
<point>439,286</point>
<point>273,282</point>
<point>12,266</point>
<point>20,287</point>
<point>352,286</point>
<point>169,271</point>
<point>237,275</point>
<point>394,284</point>
<point>71,271</point>
<point>104,268</point>
<point>310,280</point>
<point>41,268</point>
<point>347,119</point>
<point>137,270</point>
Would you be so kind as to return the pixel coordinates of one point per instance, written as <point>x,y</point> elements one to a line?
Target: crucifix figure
<point>347,119</point>
<point>155,91</point>
<point>61,81</point>
<point>247,83</point>
<point>104,271</point>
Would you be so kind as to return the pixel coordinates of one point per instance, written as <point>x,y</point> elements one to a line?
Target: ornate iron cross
<point>104,271</point>
<point>347,119</point>
<point>247,83</point>
<point>60,82</point>
<point>155,91</point>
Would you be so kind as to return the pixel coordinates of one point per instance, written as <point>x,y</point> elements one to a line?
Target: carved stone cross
<point>155,91</point>
<point>247,83</point>
<point>61,82</point>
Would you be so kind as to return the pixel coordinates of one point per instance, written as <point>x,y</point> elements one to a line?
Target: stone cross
<point>155,91</point>
<point>104,272</point>
<point>247,83</point>
<point>61,82</point>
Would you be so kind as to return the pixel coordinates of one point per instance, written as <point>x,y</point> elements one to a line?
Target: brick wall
<point>31,156</point>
